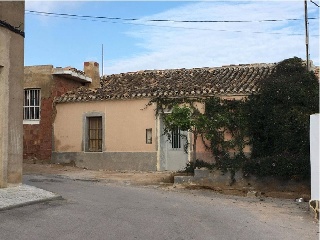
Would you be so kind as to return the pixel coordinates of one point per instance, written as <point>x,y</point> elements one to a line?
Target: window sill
<point>31,122</point>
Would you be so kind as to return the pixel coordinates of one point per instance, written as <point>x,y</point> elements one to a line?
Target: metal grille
<point>95,134</point>
<point>31,104</point>
<point>176,138</point>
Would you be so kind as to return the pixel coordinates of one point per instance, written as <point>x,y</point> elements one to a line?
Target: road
<point>101,210</point>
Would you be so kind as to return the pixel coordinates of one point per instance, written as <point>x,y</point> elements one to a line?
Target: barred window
<point>95,134</point>
<point>176,138</point>
<point>31,104</point>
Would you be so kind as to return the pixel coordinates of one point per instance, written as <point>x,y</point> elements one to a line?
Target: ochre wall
<point>125,124</point>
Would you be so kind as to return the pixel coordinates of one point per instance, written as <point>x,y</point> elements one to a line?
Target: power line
<point>106,19</point>
<point>315,3</point>
<point>165,20</point>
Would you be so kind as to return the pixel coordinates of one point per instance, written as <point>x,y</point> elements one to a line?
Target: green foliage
<point>279,116</point>
<point>191,166</point>
<point>283,166</point>
<point>276,120</point>
<point>221,117</point>
<point>180,117</point>
<point>227,116</point>
<point>279,120</point>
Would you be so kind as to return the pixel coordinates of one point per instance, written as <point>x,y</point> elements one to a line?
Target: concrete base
<point>249,186</point>
<point>314,208</point>
<point>139,161</point>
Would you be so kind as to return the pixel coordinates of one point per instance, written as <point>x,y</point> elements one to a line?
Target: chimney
<point>91,69</point>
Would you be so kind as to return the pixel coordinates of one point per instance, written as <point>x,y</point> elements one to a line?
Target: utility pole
<point>307,31</point>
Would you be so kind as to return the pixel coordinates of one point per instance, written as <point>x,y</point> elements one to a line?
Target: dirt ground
<point>164,179</point>
<point>129,177</point>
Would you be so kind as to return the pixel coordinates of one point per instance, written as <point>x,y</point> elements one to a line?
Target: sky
<point>234,32</point>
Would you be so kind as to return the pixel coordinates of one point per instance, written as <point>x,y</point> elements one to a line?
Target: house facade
<point>111,127</point>
<point>41,85</point>
<point>11,79</point>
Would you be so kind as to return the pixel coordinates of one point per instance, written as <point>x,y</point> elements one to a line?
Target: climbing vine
<point>220,118</point>
<point>275,123</point>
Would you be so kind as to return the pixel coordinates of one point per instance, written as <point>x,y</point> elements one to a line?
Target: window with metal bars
<point>95,134</point>
<point>31,104</point>
<point>175,138</point>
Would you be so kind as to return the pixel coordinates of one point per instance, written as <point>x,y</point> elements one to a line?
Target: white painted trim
<point>315,156</point>
<point>158,134</point>
<point>81,77</point>
<point>31,122</point>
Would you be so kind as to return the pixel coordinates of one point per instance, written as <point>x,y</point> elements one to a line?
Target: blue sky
<point>143,44</point>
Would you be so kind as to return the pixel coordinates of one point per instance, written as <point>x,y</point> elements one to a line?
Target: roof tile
<point>233,79</point>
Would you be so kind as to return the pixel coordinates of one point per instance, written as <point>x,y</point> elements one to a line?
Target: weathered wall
<point>125,135</point>
<point>11,94</point>
<point>37,138</point>
<point>125,125</point>
<point>91,69</point>
<point>142,161</point>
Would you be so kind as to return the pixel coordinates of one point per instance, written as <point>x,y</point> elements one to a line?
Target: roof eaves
<point>73,75</point>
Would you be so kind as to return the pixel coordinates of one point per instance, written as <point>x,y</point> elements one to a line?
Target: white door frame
<point>162,153</point>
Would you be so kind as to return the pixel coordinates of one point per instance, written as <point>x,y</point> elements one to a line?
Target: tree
<point>279,115</point>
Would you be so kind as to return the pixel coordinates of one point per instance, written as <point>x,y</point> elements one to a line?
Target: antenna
<point>102,62</point>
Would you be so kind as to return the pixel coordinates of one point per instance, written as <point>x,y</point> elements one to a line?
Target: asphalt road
<point>98,210</point>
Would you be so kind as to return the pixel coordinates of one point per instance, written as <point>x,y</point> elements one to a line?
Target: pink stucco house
<point>109,127</point>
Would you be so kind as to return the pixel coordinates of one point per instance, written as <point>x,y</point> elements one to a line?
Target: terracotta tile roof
<point>225,80</point>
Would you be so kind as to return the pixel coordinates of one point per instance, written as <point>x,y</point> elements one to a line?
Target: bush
<point>283,166</point>
<point>279,115</point>
<point>191,166</point>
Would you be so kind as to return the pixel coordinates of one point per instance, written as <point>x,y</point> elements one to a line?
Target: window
<point>149,136</point>
<point>95,134</point>
<point>31,105</point>
<point>176,138</point>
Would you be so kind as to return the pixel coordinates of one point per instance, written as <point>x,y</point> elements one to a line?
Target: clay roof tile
<point>232,79</point>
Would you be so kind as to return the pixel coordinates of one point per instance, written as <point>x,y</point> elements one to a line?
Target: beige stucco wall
<point>11,93</point>
<point>125,124</point>
<point>39,77</point>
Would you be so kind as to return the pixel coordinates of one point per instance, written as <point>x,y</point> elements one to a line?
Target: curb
<point>23,194</point>
<point>58,197</point>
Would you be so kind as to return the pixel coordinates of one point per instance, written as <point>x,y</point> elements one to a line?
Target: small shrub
<point>198,164</point>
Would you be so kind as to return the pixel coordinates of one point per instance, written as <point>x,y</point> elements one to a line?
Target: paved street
<point>101,210</point>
